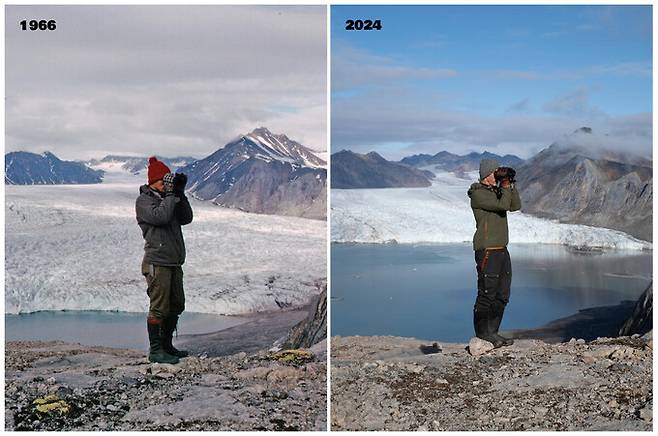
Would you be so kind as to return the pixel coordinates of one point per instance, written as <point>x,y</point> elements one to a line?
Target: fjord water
<point>428,291</point>
<point>110,329</point>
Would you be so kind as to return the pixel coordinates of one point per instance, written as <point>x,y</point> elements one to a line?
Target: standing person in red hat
<point>162,208</point>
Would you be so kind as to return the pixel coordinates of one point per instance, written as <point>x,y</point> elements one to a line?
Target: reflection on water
<point>428,291</point>
<point>110,329</point>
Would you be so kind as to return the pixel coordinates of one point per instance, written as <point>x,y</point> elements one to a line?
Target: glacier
<point>78,247</point>
<point>441,213</point>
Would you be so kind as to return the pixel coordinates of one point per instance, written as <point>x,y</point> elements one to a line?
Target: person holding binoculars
<point>491,198</point>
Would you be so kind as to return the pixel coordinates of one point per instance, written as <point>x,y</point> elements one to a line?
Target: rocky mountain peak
<point>262,172</point>
<point>268,145</point>
<point>49,155</point>
<point>375,156</point>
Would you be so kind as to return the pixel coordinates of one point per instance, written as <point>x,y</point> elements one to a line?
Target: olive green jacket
<point>491,214</point>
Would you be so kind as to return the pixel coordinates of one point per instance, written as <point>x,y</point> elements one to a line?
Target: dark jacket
<point>491,214</point>
<point>160,219</point>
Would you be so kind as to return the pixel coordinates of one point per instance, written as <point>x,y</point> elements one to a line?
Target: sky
<point>164,80</point>
<point>507,79</point>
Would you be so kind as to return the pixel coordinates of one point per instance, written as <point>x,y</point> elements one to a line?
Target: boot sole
<point>173,362</point>
<point>179,355</point>
<point>496,344</point>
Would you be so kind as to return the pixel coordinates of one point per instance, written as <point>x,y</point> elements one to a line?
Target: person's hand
<point>180,180</point>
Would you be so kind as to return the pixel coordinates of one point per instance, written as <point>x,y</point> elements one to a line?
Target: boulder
<point>478,347</point>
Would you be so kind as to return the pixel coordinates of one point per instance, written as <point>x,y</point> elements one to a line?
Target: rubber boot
<point>495,319</point>
<point>481,323</point>
<point>169,326</point>
<point>157,353</point>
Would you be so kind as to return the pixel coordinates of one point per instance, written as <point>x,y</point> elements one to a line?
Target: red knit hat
<point>156,170</point>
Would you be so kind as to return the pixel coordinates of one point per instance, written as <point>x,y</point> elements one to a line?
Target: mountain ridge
<point>350,170</point>
<point>137,164</point>
<point>26,168</point>
<point>452,162</point>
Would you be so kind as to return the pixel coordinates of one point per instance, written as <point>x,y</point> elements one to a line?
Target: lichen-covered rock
<point>51,404</point>
<point>292,356</point>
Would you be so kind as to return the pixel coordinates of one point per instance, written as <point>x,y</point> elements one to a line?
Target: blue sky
<point>505,78</point>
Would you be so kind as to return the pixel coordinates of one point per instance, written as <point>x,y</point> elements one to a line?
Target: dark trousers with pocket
<point>165,290</point>
<point>494,268</point>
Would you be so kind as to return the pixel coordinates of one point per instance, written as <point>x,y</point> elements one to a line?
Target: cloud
<point>576,101</point>
<point>520,106</point>
<point>351,67</point>
<point>166,79</point>
<point>517,74</point>
<point>405,124</point>
<point>621,69</point>
<point>554,34</point>
<point>600,142</point>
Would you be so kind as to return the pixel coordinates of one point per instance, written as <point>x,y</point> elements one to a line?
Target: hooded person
<point>491,199</point>
<point>161,209</point>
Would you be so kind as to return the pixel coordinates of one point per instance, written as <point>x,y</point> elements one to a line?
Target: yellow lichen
<point>293,356</point>
<point>51,403</point>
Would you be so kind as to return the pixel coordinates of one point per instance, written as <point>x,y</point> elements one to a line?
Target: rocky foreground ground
<point>390,383</point>
<point>269,373</point>
<point>60,386</point>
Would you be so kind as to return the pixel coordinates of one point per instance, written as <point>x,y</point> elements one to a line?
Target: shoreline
<point>578,249</point>
<point>592,322</point>
<point>257,331</point>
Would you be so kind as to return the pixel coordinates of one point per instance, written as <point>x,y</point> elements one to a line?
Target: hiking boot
<point>169,326</point>
<point>481,323</point>
<point>494,324</point>
<point>157,354</point>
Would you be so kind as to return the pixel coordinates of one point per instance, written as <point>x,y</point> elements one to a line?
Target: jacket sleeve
<point>184,211</point>
<point>156,214</point>
<point>516,200</point>
<point>487,200</point>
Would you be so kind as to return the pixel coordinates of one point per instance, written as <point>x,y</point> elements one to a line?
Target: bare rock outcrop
<point>313,328</point>
<point>388,383</point>
<point>641,321</point>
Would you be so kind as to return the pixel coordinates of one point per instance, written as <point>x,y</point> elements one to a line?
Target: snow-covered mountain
<point>272,146</point>
<point>446,161</point>
<point>350,170</point>
<point>136,164</point>
<point>262,172</point>
<point>589,185</point>
<point>24,168</point>
<point>441,213</point>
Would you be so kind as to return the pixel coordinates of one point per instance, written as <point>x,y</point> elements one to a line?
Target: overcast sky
<point>508,79</point>
<point>164,80</point>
